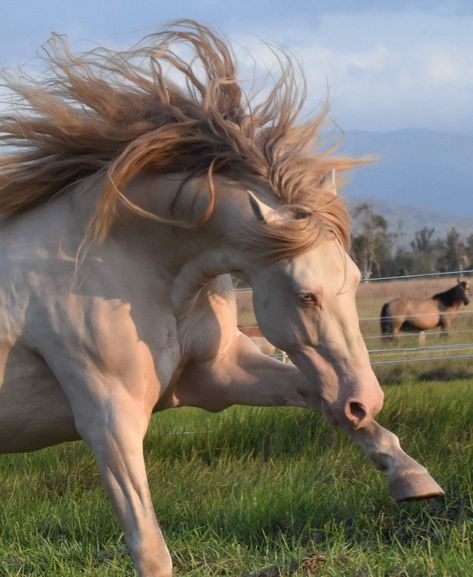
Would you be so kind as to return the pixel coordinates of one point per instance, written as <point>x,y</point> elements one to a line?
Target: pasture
<point>253,491</point>
<point>370,298</point>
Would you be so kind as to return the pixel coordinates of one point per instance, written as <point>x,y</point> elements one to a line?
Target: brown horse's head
<point>455,295</point>
<point>462,291</point>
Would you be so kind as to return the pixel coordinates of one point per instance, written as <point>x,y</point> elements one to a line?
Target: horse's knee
<point>100,422</point>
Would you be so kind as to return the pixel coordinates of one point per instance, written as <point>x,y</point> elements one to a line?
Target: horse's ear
<point>329,183</point>
<point>263,212</point>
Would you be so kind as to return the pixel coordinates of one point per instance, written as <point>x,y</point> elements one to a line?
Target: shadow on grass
<point>398,374</point>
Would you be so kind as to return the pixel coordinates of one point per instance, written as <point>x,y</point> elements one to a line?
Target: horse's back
<point>413,314</point>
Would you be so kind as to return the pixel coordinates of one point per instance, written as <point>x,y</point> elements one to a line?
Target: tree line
<point>376,253</point>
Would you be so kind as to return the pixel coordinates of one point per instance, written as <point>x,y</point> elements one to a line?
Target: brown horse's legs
<point>444,330</point>
<point>390,325</point>
<point>407,480</point>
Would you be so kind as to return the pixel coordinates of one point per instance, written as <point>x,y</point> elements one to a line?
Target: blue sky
<point>389,64</point>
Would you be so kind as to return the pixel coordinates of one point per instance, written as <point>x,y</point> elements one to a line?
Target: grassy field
<point>254,491</point>
<point>251,488</point>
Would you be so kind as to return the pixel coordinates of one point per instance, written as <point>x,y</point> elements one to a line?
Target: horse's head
<point>463,289</point>
<point>305,306</point>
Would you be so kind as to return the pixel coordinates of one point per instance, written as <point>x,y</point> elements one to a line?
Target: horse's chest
<point>167,355</point>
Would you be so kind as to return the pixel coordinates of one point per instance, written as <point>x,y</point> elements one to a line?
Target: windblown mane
<point>122,112</point>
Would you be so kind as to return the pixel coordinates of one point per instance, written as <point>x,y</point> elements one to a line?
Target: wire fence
<point>389,353</point>
<point>401,352</point>
<point>457,273</point>
<point>446,314</point>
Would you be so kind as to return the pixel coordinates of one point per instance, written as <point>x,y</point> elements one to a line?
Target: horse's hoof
<point>414,486</point>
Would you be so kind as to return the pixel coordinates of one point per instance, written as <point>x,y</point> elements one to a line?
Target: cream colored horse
<point>128,202</point>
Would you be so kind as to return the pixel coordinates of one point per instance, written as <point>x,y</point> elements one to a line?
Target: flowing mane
<point>123,112</point>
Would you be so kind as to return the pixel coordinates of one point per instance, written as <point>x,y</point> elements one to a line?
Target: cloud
<point>384,76</point>
<point>386,65</point>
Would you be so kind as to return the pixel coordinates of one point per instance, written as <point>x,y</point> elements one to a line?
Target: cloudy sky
<point>388,64</point>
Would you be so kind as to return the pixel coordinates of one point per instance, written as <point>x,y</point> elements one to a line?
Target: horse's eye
<point>300,214</point>
<point>309,299</point>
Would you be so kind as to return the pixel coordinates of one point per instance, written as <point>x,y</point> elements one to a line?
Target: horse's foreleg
<point>244,376</point>
<point>248,377</point>
<point>407,480</point>
<point>113,420</point>
<point>444,327</point>
<point>115,430</point>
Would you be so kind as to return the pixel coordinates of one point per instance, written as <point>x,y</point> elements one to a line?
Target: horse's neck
<point>176,262</point>
<point>193,256</point>
<point>447,299</point>
<point>197,274</point>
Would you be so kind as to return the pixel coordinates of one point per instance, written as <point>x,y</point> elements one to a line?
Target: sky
<point>385,64</point>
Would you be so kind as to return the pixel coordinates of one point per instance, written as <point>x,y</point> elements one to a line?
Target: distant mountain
<point>421,168</point>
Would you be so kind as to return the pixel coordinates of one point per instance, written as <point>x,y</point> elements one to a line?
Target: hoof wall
<point>414,487</point>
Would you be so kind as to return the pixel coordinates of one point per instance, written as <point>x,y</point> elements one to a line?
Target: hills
<point>421,178</point>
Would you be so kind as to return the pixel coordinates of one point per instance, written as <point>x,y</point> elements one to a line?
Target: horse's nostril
<point>356,412</point>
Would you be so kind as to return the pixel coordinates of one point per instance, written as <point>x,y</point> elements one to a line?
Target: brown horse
<point>421,314</point>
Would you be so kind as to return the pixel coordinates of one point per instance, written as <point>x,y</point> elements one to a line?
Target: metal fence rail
<point>417,315</point>
<point>457,273</point>
<point>416,334</point>
<point>419,360</point>
<point>399,351</point>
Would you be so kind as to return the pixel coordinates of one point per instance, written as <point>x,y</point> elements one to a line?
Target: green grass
<point>253,488</point>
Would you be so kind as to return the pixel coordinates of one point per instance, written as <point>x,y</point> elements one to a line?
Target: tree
<point>371,245</point>
<point>455,252</point>
<point>425,250</point>
<point>423,240</point>
<point>469,251</point>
